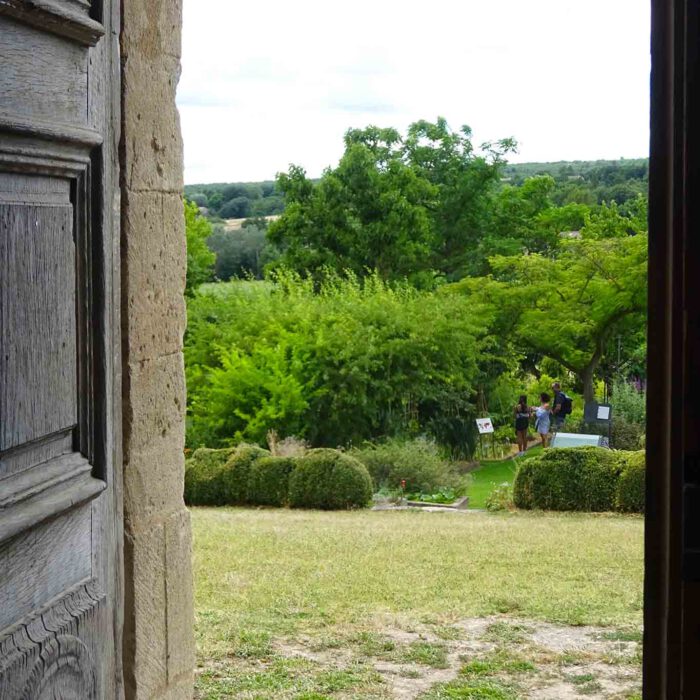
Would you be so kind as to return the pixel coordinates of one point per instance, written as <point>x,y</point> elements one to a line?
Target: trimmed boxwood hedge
<point>329,480</point>
<point>234,482</point>
<point>203,476</point>
<point>572,479</point>
<point>268,481</point>
<point>631,486</point>
<point>323,478</point>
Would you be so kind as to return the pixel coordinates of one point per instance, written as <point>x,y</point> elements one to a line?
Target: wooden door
<point>59,490</point>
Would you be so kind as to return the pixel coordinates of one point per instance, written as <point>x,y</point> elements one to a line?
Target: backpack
<point>566,405</point>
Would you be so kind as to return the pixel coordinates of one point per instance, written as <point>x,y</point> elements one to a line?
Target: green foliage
<point>406,207</point>
<point>204,476</point>
<point>629,402</point>
<point>501,498</point>
<point>268,481</point>
<point>241,253</point>
<point>234,479</point>
<point>417,462</point>
<point>572,479</point>
<point>200,260</point>
<point>251,199</point>
<point>631,488</point>
<point>329,480</point>
<point>348,362</point>
<point>566,307</point>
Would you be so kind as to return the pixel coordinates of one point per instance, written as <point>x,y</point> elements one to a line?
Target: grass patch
<point>471,690</point>
<point>490,474</point>
<point>497,662</point>
<point>427,654</point>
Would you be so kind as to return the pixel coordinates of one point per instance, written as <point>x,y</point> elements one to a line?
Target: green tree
<point>567,307</point>
<point>412,207</point>
<point>200,260</point>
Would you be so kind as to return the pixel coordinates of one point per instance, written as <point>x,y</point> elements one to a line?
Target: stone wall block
<point>155,28</point>
<point>157,262</point>
<point>179,584</point>
<point>153,148</point>
<point>156,411</point>
<point>145,624</point>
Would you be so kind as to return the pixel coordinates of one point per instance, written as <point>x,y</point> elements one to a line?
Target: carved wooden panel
<point>59,69</point>
<point>43,562</point>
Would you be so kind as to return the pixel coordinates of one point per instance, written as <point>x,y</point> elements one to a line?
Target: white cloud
<point>272,83</point>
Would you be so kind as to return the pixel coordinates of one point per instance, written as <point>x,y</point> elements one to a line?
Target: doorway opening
<point>420,290</point>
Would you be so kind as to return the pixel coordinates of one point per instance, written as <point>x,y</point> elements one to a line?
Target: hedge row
<point>581,479</point>
<point>249,475</point>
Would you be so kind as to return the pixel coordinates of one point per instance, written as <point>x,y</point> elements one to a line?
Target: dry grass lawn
<point>312,605</point>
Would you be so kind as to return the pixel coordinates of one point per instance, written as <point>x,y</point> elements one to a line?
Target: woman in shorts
<point>543,417</point>
<point>522,423</point>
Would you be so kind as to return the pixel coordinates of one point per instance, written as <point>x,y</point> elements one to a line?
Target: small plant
<point>204,477</point>
<point>414,465</point>
<point>289,447</point>
<point>501,498</point>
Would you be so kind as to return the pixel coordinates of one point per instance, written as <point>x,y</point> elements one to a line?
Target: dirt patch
<point>536,660</point>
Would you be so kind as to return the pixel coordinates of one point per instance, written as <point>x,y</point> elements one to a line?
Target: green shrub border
<point>249,475</point>
<point>590,479</point>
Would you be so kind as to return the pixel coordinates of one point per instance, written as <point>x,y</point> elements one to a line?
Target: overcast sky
<point>273,82</point>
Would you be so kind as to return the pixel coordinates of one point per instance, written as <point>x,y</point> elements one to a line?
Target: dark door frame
<point>672,540</point>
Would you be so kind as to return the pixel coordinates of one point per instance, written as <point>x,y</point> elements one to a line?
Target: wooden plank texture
<point>56,68</point>
<point>38,374</point>
<point>42,563</point>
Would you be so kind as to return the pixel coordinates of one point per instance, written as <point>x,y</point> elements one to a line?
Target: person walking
<point>543,414</point>
<point>522,422</point>
<point>560,408</point>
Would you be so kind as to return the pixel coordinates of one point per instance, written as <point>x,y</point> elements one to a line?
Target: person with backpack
<point>561,407</point>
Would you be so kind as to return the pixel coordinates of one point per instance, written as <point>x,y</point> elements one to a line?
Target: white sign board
<point>484,425</point>
<point>603,412</point>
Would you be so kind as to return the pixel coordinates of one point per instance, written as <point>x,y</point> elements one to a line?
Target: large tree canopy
<point>413,207</point>
<point>566,307</point>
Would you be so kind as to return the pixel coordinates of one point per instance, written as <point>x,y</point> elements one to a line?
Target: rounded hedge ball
<point>329,480</point>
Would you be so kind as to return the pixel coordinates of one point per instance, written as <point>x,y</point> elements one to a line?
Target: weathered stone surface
<point>158,634</point>
<point>156,409</point>
<point>145,626</point>
<point>153,29</point>
<point>155,256</point>
<point>178,587</point>
<point>153,152</point>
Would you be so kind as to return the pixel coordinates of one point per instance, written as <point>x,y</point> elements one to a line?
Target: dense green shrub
<point>631,492</point>
<point>418,462</point>
<point>268,481</point>
<point>234,480</point>
<point>334,365</point>
<point>204,476</point>
<point>329,480</point>
<point>582,479</point>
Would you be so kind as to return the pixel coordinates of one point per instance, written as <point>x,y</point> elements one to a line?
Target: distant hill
<point>584,181</point>
<point>609,171</point>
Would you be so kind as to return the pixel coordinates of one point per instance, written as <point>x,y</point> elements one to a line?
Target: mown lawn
<point>490,474</point>
<point>310,605</point>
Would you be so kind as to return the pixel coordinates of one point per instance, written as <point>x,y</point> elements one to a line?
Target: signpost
<point>485,427</point>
